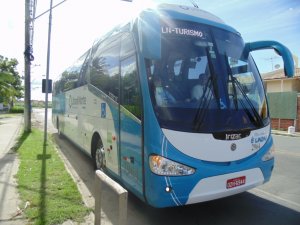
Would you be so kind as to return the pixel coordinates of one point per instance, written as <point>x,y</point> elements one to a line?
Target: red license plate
<point>235,182</point>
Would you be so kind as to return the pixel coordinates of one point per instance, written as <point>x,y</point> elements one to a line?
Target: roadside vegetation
<point>11,87</point>
<point>17,109</point>
<point>44,185</point>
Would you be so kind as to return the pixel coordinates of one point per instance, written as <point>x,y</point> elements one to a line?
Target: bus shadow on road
<point>245,208</point>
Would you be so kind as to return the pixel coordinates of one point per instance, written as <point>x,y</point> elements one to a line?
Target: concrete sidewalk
<point>285,133</point>
<point>10,127</point>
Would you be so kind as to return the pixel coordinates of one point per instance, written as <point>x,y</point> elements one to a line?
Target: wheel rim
<point>99,155</point>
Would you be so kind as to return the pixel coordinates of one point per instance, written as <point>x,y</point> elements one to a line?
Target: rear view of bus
<point>206,121</point>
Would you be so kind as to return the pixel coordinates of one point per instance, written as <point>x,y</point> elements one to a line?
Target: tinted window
<point>202,82</point>
<point>130,95</point>
<point>84,70</point>
<point>130,87</point>
<point>104,71</point>
<point>127,48</point>
<point>69,78</point>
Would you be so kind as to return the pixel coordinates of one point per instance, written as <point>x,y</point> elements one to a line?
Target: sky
<point>77,23</point>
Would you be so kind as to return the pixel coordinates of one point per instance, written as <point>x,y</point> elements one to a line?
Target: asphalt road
<point>284,186</point>
<point>275,203</point>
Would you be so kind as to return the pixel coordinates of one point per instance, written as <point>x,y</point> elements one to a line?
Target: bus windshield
<point>202,83</point>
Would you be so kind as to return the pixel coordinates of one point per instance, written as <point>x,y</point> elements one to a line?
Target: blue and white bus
<point>172,106</point>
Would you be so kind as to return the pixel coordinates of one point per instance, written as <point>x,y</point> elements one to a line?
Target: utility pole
<point>47,73</point>
<point>27,116</point>
<point>27,113</point>
<point>28,57</point>
<point>30,6</point>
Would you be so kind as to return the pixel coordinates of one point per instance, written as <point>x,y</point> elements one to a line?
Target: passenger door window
<point>130,117</point>
<point>130,95</point>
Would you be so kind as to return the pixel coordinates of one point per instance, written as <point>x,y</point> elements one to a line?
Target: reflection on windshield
<point>202,83</point>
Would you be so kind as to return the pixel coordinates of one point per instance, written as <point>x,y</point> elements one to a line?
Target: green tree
<point>10,82</point>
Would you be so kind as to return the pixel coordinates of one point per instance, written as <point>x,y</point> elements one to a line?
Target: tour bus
<point>172,106</point>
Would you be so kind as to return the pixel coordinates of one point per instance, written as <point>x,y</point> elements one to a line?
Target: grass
<point>44,182</point>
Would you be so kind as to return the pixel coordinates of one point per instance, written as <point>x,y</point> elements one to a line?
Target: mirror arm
<point>289,68</point>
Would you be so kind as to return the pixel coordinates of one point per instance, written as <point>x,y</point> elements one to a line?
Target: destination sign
<point>181,31</point>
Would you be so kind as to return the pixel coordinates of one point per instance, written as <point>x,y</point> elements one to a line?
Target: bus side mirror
<point>279,48</point>
<point>149,35</point>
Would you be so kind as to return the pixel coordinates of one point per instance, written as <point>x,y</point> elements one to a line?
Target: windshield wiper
<point>254,116</point>
<point>205,100</point>
<point>213,76</point>
<point>229,71</point>
<point>204,103</point>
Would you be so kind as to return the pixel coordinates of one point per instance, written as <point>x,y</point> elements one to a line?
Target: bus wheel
<point>99,161</point>
<point>58,128</point>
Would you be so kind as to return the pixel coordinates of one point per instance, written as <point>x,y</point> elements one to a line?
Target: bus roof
<point>191,14</point>
<point>173,11</point>
<point>192,11</point>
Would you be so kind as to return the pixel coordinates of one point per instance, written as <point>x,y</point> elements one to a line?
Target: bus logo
<point>233,136</point>
<point>233,147</point>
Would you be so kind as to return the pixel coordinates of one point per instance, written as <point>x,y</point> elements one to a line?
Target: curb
<point>285,133</point>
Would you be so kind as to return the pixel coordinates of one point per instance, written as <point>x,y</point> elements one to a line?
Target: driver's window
<point>197,66</point>
<point>177,67</point>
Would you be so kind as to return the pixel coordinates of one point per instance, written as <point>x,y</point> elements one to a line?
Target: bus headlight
<point>270,154</point>
<point>166,167</point>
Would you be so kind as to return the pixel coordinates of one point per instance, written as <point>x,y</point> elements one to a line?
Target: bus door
<point>130,124</point>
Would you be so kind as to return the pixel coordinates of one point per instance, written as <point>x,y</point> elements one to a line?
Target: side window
<point>130,86</point>
<point>104,71</point>
<point>84,70</point>
<point>69,79</point>
<point>57,87</point>
<point>127,48</point>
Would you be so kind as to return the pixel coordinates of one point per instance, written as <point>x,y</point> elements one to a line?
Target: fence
<point>284,110</point>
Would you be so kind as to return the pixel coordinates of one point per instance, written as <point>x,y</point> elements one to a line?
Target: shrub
<point>17,109</point>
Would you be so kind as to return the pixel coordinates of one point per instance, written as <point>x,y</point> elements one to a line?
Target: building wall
<point>296,85</point>
<point>273,86</point>
<point>282,85</point>
<point>283,124</point>
<point>288,85</point>
<point>275,81</point>
<point>298,114</point>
